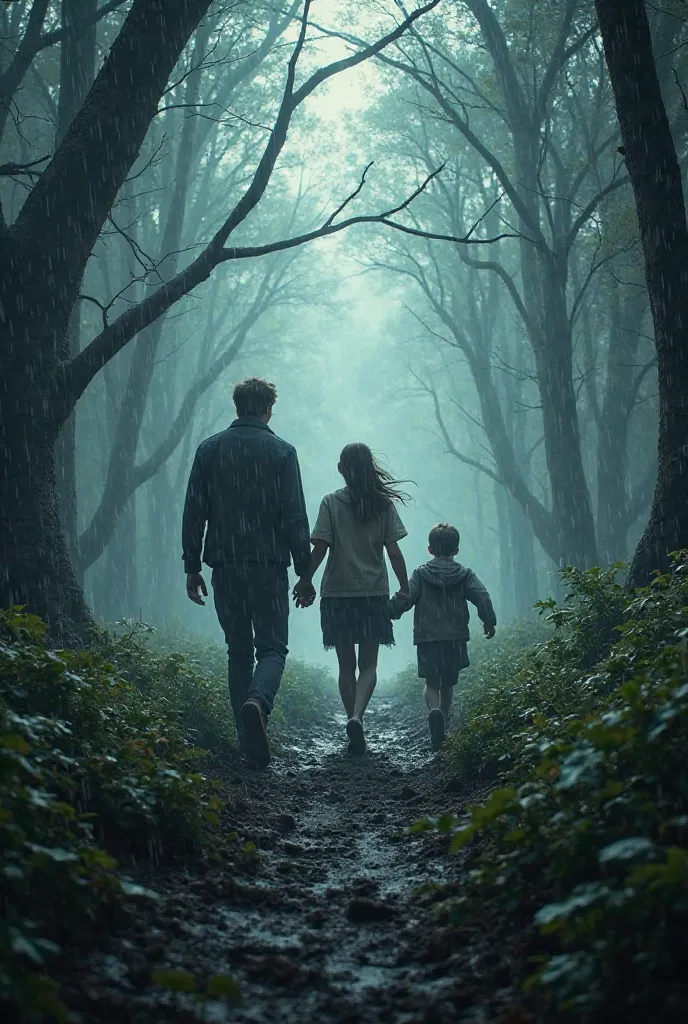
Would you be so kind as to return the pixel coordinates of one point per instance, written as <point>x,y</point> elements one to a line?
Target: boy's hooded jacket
<point>439,592</point>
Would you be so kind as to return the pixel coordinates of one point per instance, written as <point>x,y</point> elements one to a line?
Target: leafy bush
<point>517,683</point>
<point>490,702</point>
<point>304,696</point>
<point>590,849</point>
<point>85,758</point>
<point>187,675</point>
<point>99,754</point>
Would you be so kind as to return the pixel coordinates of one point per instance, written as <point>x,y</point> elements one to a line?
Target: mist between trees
<point>484,320</point>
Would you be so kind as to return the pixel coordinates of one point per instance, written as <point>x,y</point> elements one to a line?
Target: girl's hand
<point>303,593</point>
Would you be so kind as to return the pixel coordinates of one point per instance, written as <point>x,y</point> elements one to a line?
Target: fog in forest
<point>455,232</point>
<point>435,353</point>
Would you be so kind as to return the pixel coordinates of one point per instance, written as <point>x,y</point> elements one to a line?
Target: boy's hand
<point>489,632</point>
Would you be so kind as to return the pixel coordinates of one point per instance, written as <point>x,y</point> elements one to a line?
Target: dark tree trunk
<point>523,569</point>
<point>655,175</point>
<point>613,499</point>
<point>506,581</point>
<point>120,483</point>
<point>77,71</point>
<point>42,260</point>
<point>570,495</point>
<point>35,568</point>
<point>116,592</point>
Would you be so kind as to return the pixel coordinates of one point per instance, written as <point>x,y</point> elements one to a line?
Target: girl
<point>356,524</point>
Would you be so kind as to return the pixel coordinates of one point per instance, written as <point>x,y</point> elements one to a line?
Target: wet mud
<point>338,914</point>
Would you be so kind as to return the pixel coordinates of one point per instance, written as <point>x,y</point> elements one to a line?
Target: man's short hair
<point>444,539</point>
<point>254,396</point>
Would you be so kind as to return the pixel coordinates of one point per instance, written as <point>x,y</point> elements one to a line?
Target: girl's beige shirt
<point>356,559</point>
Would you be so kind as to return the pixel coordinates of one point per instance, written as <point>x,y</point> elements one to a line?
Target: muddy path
<point>338,915</point>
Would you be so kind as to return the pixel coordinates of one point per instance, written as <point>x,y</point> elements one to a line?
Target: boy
<point>439,591</point>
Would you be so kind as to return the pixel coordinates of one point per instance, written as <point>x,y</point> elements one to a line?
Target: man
<point>245,484</point>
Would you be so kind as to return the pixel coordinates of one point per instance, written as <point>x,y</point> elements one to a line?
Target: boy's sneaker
<point>254,721</point>
<point>437,733</point>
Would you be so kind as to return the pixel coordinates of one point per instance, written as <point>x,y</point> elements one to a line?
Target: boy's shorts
<point>443,659</point>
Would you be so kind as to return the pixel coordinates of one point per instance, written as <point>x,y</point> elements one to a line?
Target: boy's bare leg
<point>367,676</point>
<point>433,697</point>
<point>346,656</point>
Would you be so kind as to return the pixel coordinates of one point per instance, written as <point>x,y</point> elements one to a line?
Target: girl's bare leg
<point>446,695</point>
<point>367,676</point>
<point>432,693</point>
<point>346,656</point>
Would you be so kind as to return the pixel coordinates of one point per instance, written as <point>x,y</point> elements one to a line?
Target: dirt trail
<point>328,924</point>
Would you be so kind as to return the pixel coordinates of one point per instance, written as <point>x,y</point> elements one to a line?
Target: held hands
<point>303,593</point>
<point>194,584</point>
<point>489,632</point>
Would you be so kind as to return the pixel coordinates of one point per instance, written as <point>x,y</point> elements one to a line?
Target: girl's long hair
<point>371,488</point>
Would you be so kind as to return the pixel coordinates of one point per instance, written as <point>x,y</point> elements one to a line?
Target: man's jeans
<point>252,604</point>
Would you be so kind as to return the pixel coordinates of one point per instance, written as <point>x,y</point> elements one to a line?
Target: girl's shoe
<point>437,731</point>
<point>354,730</point>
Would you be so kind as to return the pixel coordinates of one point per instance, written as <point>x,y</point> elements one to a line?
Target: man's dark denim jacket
<point>245,484</point>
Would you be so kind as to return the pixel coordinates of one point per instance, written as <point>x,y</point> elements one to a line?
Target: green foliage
<point>589,841</point>
<point>490,705</point>
<point>99,754</point>
<point>515,686</point>
<point>183,675</point>
<point>86,759</point>
<point>187,675</point>
<point>220,986</point>
<point>303,695</point>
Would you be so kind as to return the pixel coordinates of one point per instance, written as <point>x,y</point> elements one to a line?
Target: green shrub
<point>187,675</point>
<point>184,675</point>
<point>589,843</point>
<point>491,703</point>
<point>304,695</point>
<point>516,682</point>
<point>86,758</point>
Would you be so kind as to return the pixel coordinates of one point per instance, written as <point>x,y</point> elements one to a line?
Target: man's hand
<point>194,584</point>
<point>489,632</point>
<point>304,593</point>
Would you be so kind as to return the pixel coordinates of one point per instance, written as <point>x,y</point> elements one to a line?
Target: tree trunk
<point>523,568</point>
<point>77,71</point>
<point>613,509</point>
<point>655,175</point>
<point>35,569</point>
<point>119,486</point>
<point>570,495</point>
<point>506,580</point>
<point>42,260</point>
<point>116,592</point>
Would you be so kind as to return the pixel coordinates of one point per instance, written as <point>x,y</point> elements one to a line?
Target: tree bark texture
<point>42,260</point>
<point>655,175</point>
<point>77,71</point>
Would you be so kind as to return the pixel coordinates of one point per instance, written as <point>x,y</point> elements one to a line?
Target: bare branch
<point>451,447</point>
<point>11,169</point>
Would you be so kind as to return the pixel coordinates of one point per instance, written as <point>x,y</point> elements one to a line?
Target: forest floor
<point>333,918</point>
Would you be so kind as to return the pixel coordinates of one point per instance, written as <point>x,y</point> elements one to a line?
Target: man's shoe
<point>254,721</point>
<point>354,730</point>
<point>436,721</point>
